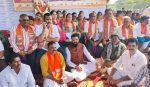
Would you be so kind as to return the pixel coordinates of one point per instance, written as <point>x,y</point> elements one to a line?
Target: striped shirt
<point>12,40</point>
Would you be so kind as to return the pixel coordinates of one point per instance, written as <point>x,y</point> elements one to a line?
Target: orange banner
<point>59,4</point>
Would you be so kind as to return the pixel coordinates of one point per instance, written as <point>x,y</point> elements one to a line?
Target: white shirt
<point>118,31</point>
<point>86,53</point>
<point>12,40</point>
<point>86,27</point>
<point>9,78</point>
<point>38,29</point>
<point>138,30</point>
<point>55,33</point>
<point>1,48</point>
<point>102,25</point>
<point>131,65</point>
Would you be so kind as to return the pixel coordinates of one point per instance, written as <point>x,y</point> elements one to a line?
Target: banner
<point>22,5</point>
<point>68,4</point>
<point>58,4</point>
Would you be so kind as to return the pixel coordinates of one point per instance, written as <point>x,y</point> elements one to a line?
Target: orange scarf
<point>143,29</point>
<point>90,28</point>
<point>20,37</point>
<point>50,31</point>
<point>130,33</point>
<point>132,22</point>
<point>54,65</point>
<point>112,25</point>
<point>119,20</point>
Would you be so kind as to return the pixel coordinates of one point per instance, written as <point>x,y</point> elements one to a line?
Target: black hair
<point>46,14</point>
<point>132,40</point>
<point>99,13</point>
<point>58,11</point>
<point>23,15</point>
<point>31,18</point>
<point>75,35</point>
<point>143,18</point>
<point>74,13</point>
<point>52,12</point>
<point>148,53</point>
<point>12,56</point>
<point>68,15</point>
<point>119,12</point>
<point>39,14</point>
<point>50,43</point>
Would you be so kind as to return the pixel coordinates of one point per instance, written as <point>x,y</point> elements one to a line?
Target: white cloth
<point>1,48</point>
<point>138,30</point>
<point>55,33</point>
<point>86,27</point>
<point>118,74</point>
<point>118,31</point>
<point>38,29</point>
<point>131,65</point>
<point>67,78</point>
<point>102,25</point>
<point>87,68</point>
<point>12,40</point>
<point>9,78</point>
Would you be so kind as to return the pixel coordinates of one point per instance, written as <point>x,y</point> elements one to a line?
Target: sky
<point>112,1</point>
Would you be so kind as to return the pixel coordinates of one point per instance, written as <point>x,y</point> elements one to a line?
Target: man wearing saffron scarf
<point>108,24</point>
<point>126,30</point>
<point>23,40</point>
<point>79,59</point>
<point>94,35</point>
<point>53,68</point>
<point>143,33</point>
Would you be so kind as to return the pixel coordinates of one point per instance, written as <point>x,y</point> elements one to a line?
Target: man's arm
<point>88,55</point>
<point>69,62</point>
<point>12,40</point>
<point>3,81</point>
<point>30,79</point>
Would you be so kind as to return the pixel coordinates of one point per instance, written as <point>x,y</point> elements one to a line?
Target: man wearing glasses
<point>23,40</point>
<point>124,70</point>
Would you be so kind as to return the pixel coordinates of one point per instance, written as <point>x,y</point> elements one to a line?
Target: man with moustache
<point>124,70</point>
<point>16,74</point>
<point>144,72</point>
<point>79,59</point>
<point>53,68</point>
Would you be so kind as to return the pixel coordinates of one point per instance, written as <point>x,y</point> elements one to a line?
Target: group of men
<point>36,43</point>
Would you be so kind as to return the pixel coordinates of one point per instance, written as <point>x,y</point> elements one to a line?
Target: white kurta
<point>9,78</point>
<point>55,33</point>
<point>131,65</point>
<point>67,78</point>
<point>1,48</point>
<point>102,25</point>
<point>86,26</point>
<point>118,31</point>
<point>138,30</point>
<point>87,68</point>
<point>12,40</point>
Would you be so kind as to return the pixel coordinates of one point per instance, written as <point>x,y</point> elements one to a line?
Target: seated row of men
<point>122,72</point>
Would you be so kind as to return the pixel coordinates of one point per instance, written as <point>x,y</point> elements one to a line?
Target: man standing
<point>23,40</point>
<point>79,59</point>
<point>130,62</point>
<point>16,74</point>
<point>108,24</point>
<point>53,68</point>
<point>94,36</point>
<point>143,33</point>
<point>127,30</point>
<point>144,72</point>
